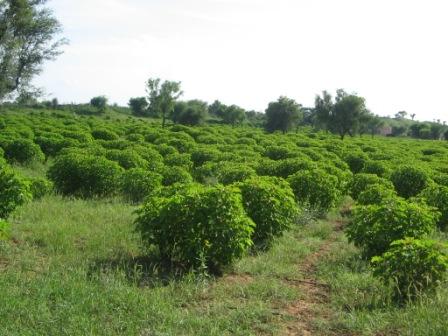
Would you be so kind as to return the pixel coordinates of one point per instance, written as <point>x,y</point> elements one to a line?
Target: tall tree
<point>139,106</point>
<point>234,115</point>
<point>28,33</point>
<point>322,109</point>
<point>283,115</point>
<point>347,113</point>
<point>162,97</point>
<point>192,112</point>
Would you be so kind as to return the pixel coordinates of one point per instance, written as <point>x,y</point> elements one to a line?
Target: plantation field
<point>116,226</point>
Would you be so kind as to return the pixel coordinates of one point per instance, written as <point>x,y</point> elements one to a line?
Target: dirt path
<point>314,302</point>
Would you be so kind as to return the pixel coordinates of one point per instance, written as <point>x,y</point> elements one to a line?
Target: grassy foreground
<point>77,268</point>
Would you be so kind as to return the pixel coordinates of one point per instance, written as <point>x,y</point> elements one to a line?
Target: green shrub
<point>85,175</point>
<point>230,172</point>
<point>23,151</point>
<point>409,181</point>
<point>172,175</point>
<point>376,194</point>
<point>374,227</point>
<point>5,230</point>
<point>126,158</point>
<point>375,167</point>
<point>40,187</point>
<point>136,184</point>
<point>437,196</point>
<point>198,227</point>
<point>315,189</point>
<point>278,153</point>
<point>412,266</point>
<point>179,160</point>
<point>356,161</point>
<point>104,134</point>
<point>269,202</point>
<point>203,155</point>
<point>361,182</point>
<point>14,192</point>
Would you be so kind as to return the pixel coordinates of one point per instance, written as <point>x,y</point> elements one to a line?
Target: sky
<point>394,53</point>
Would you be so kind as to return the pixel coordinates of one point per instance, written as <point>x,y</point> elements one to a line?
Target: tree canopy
<point>282,115</point>
<point>162,97</point>
<point>28,33</point>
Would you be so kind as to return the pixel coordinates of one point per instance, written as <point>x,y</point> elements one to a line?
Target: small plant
<point>437,196</point>
<point>172,175</point>
<point>104,134</point>
<point>230,172</point>
<point>14,192</point>
<point>376,194</point>
<point>85,175</point>
<point>198,227</point>
<point>356,161</point>
<point>136,184</point>
<point>40,187</point>
<point>315,189</point>
<point>269,201</point>
<point>412,266</point>
<point>5,229</point>
<point>374,227</point>
<point>23,151</point>
<point>409,181</point>
<point>362,182</point>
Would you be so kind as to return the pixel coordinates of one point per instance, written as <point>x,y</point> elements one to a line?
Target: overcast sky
<point>249,52</point>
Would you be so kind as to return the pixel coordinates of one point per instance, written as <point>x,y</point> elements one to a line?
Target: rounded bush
<point>23,151</point>
<point>104,134</point>
<point>269,202</point>
<point>374,227</point>
<point>437,196</point>
<point>172,175</point>
<point>315,189</point>
<point>126,158</point>
<point>14,192</point>
<point>409,181</point>
<point>85,175</point>
<point>230,172</point>
<point>375,167</point>
<point>376,194</point>
<point>136,184</point>
<point>40,187</point>
<point>198,227</point>
<point>356,161</point>
<point>362,182</point>
<point>412,266</point>
<point>203,155</point>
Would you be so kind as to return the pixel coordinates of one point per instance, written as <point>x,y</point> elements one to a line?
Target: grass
<point>362,303</point>
<point>77,267</point>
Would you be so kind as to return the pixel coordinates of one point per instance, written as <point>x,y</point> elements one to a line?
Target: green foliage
<point>409,181</point>
<point>5,229</point>
<point>282,115</point>
<point>23,151</point>
<point>192,112</point>
<point>362,182</point>
<point>136,184</point>
<point>175,174</point>
<point>104,134</point>
<point>40,187</point>
<point>126,158</point>
<point>14,192</point>
<point>412,266</point>
<point>356,161</point>
<point>375,167</point>
<point>139,106</point>
<point>230,172</point>
<point>315,189</point>
<point>374,227</point>
<point>437,196</point>
<point>85,175</point>
<point>199,227</point>
<point>100,103</point>
<point>269,202</point>
<point>376,194</point>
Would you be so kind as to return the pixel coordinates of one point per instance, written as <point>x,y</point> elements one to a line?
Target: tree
<point>234,115</point>
<point>162,97</point>
<point>27,39</point>
<point>192,112</point>
<point>413,116</point>
<point>139,106</point>
<point>401,115</point>
<point>217,109</point>
<point>99,102</point>
<point>347,113</point>
<point>322,109</point>
<point>282,115</point>
<point>374,124</point>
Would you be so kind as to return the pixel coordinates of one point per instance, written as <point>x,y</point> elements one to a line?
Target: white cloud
<point>250,52</point>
